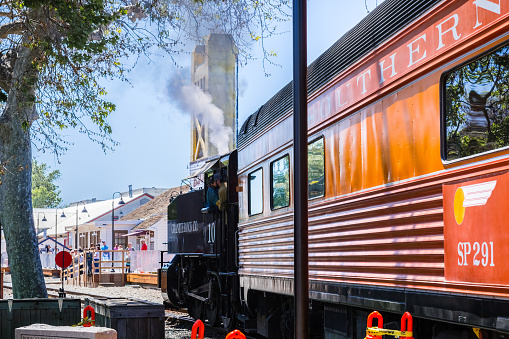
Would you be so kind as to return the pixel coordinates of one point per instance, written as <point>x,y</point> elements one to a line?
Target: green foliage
<point>79,45</point>
<point>45,193</point>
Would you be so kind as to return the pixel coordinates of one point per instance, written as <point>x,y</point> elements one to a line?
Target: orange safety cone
<point>370,324</point>
<point>198,326</point>
<point>235,334</point>
<point>407,324</point>
<point>92,316</point>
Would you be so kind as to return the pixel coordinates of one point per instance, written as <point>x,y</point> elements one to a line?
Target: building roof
<point>154,210</point>
<point>98,210</point>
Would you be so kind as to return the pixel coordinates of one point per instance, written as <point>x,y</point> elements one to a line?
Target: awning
<point>203,169</point>
<point>135,233</point>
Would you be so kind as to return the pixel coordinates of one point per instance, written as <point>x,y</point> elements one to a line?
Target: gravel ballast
<point>175,328</point>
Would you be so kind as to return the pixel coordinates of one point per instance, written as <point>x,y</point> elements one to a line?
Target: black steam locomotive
<point>202,276</point>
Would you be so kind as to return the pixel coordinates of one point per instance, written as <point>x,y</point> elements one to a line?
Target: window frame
<point>443,117</point>
<point>287,155</point>
<point>249,192</point>
<point>119,239</point>
<point>309,143</point>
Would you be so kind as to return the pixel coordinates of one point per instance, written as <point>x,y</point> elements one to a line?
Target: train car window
<point>255,187</point>
<point>280,183</point>
<point>476,105</point>
<point>316,169</point>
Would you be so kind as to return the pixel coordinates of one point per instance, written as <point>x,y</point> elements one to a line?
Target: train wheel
<point>230,321</point>
<point>212,306</point>
<point>195,308</point>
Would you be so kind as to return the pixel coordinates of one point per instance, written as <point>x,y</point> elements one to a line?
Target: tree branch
<point>15,27</point>
<point>9,15</point>
<point>7,61</point>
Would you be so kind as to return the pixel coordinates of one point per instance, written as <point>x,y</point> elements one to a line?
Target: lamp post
<point>76,245</point>
<point>121,202</point>
<point>56,222</point>
<point>43,219</point>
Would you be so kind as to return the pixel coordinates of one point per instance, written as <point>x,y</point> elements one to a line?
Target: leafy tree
<point>55,57</point>
<point>45,193</point>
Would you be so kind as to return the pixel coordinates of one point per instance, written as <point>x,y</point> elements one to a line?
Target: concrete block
<point>43,331</point>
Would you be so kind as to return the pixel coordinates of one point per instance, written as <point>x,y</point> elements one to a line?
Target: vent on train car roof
<point>255,120</point>
<point>383,22</point>
<point>245,126</point>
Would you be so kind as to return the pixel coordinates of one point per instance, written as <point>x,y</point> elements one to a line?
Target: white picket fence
<point>147,261</point>
<point>3,260</point>
<point>47,260</point>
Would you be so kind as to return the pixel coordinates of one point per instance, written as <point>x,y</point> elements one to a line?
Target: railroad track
<point>184,320</point>
<point>53,292</point>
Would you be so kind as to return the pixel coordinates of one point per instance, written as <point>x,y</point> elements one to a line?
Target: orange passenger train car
<point>408,118</point>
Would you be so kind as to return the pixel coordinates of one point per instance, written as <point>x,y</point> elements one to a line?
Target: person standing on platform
<point>129,249</point>
<point>104,247</point>
<point>143,245</point>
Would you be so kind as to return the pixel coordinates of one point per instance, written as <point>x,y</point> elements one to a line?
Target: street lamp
<point>84,211</point>
<point>43,219</point>
<point>56,221</point>
<point>121,202</point>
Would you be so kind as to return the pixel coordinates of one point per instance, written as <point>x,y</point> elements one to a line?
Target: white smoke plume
<point>192,99</point>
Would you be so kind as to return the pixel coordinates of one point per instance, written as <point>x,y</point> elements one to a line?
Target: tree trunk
<point>16,214</point>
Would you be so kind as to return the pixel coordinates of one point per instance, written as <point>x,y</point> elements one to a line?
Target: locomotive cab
<point>202,276</point>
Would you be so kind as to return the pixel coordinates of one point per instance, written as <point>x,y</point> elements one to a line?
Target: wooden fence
<point>88,266</point>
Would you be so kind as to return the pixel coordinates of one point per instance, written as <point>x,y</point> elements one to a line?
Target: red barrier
<point>91,322</point>
<point>407,324</point>
<point>198,326</point>
<point>235,334</point>
<point>370,324</point>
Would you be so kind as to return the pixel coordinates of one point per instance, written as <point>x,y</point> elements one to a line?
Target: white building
<point>141,216</point>
<point>151,221</point>
<point>92,219</point>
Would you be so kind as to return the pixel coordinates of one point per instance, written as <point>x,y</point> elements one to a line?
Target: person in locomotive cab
<point>212,192</point>
<point>222,192</point>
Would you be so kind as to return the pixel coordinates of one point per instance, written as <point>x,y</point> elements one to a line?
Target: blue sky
<point>154,135</point>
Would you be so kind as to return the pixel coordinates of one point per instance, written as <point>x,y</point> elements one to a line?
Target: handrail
<point>78,271</point>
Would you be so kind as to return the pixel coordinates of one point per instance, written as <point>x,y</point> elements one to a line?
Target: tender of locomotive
<point>408,177</point>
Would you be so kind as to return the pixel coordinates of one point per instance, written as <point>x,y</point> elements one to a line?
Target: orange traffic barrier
<point>198,326</point>
<point>407,324</point>
<point>370,324</point>
<point>86,322</point>
<point>235,334</point>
